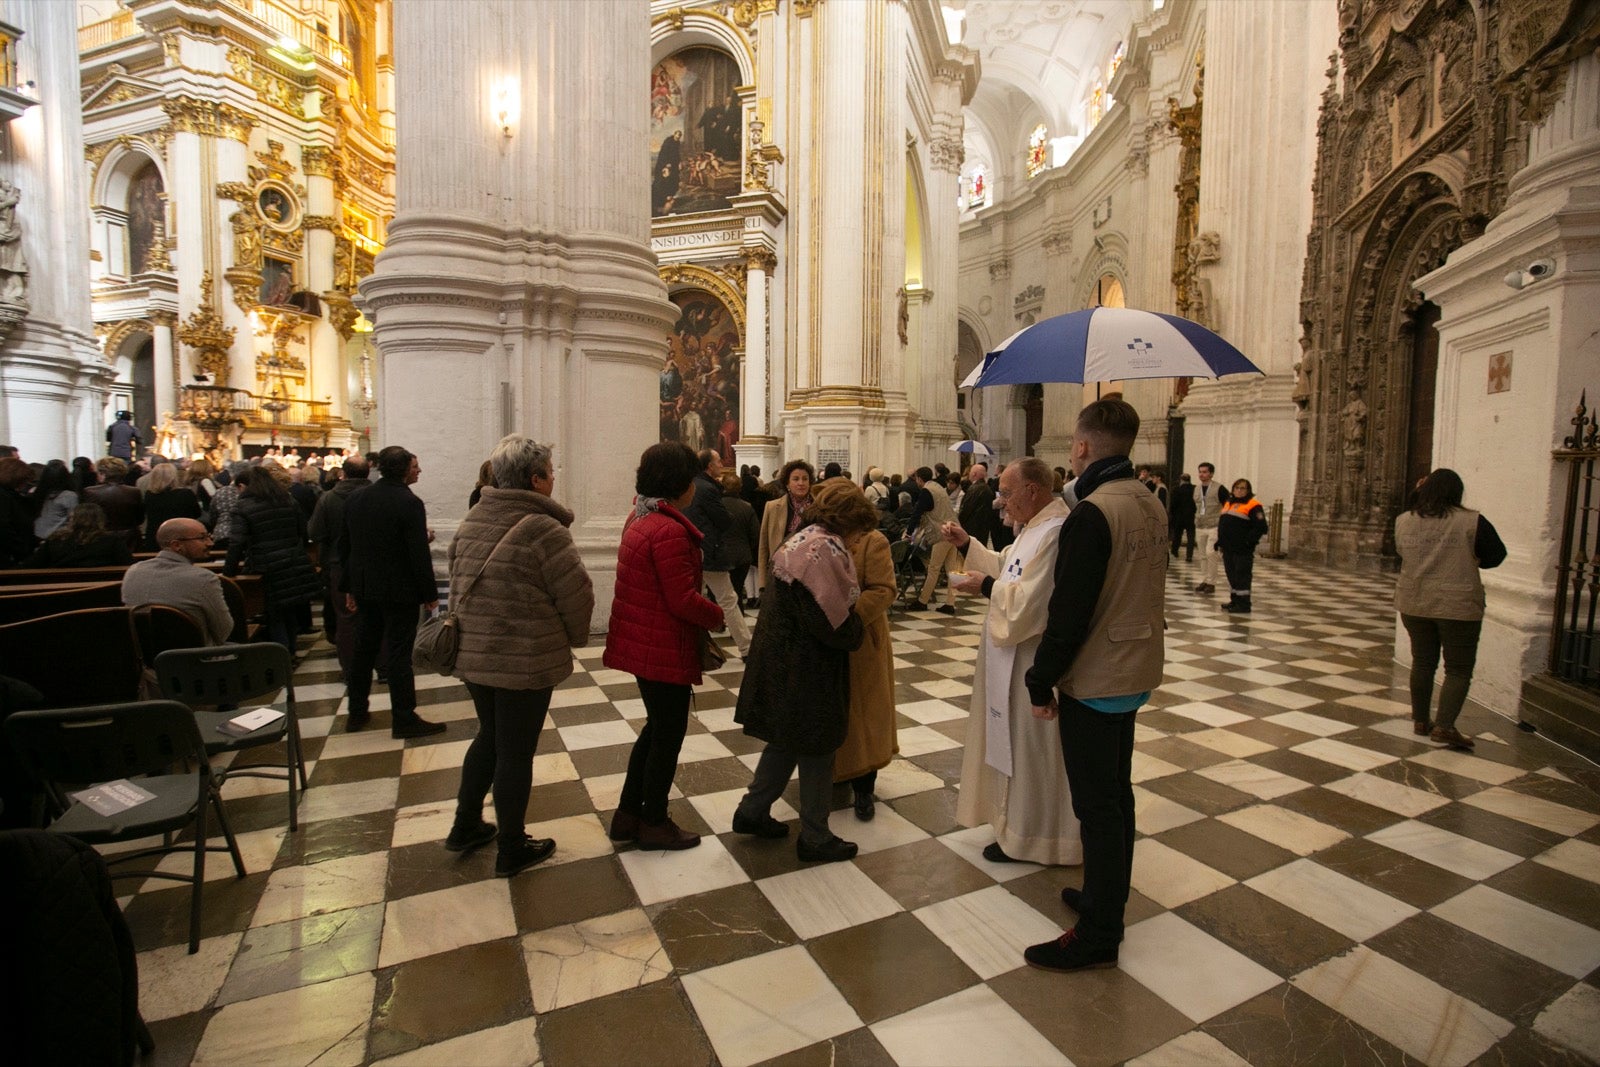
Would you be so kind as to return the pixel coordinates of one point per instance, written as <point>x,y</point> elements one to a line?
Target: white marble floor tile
<point>1554,940</point>
<point>1343,904</point>
<point>973,1027</point>
<point>1473,767</point>
<point>1172,878</point>
<point>821,899</point>
<point>173,983</point>
<point>931,711</point>
<point>944,688</point>
<point>1155,814</point>
<point>597,734</point>
<point>988,928</point>
<point>1380,704</point>
<point>258,849</point>
<point>757,1008</point>
<point>454,711</point>
<point>1208,714</point>
<point>605,790</point>
<point>902,779</point>
<point>1347,683</point>
<point>304,951</point>
<point>1462,855</point>
<point>577,837</point>
<point>1298,833</point>
<point>1573,1020</point>
<point>580,961</point>
<point>631,709</point>
<point>1284,698</point>
<point>921,740</point>
<point>1545,814</point>
<point>430,923</point>
<point>1342,754</point>
<point>446,755</point>
<point>320,888</point>
<point>716,720</point>
<point>324,1024</point>
<point>553,767</point>
<point>1391,796</point>
<point>1193,1049</point>
<point>1147,768</point>
<point>702,746</point>
<point>1577,858</point>
<point>512,1045</point>
<point>368,741</point>
<point>717,809</point>
<point>658,876</point>
<point>578,697</point>
<point>1307,723</point>
<point>421,823</point>
<point>1194,691</point>
<point>969,845</point>
<point>888,829</point>
<point>1190,969</point>
<point>348,798</point>
<point>1413,1013</point>
<point>1228,742</point>
<point>1254,779</point>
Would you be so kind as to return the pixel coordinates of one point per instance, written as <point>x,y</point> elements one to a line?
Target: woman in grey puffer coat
<point>523,602</point>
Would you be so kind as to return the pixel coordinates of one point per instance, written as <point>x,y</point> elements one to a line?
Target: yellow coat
<point>870,742</point>
<point>774,532</point>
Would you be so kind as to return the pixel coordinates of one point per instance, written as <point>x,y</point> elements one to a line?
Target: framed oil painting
<point>700,378</point>
<point>696,132</point>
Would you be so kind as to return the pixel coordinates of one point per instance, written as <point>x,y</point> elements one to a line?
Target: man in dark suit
<point>977,515</point>
<point>385,572</point>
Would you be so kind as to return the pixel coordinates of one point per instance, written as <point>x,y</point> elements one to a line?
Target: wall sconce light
<point>507,106</point>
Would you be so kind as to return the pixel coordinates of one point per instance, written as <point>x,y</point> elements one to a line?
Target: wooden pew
<point>246,595</point>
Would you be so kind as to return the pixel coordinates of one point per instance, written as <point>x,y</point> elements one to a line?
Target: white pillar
<point>518,290</point>
<point>164,356</point>
<point>756,443</point>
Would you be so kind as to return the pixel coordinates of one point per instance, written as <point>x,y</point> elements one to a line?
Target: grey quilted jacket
<point>531,606</point>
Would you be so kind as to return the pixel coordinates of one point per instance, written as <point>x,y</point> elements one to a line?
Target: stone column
<point>518,290</point>
<point>52,383</point>
<point>327,376</point>
<point>167,374</point>
<point>756,444</point>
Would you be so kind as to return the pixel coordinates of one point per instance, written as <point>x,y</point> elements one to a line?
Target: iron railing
<point>1574,643</point>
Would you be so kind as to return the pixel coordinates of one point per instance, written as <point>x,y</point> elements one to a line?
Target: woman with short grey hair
<point>523,602</point>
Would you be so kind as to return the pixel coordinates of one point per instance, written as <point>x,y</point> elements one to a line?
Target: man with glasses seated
<point>172,578</point>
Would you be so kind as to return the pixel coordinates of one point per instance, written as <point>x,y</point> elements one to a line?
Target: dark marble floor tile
<point>1405,747</point>
<point>357,768</point>
<point>437,997</point>
<point>705,700</point>
<point>427,867</point>
<point>1502,832</point>
<point>429,787</point>
<point>301,952</point>
<point>1167,722</point>
<point>1284,1026</point>
<point>739,743</point>
<point>1428,779</point>
<point>570,893</point>
<point>608,759</point>
<point>762,857</point>
<point>1181,753</point>
<point>1226,848</point>
<point>1042,892</point>
<point>649,1026</point>
<point>1103,1018</point>
<point>923,872</point>
<point>710,929</point>
<point>954,729</point>
<point>858,1048</point>
<point>176,1039</point>
<point>1272,733</point>
<point>446,694</point>
<point>1201,794</point>
<point>1523,1047</point>
<point>315,709</point>
<point>1350,815</point>
<point>1299,765</point>
<point>1277,937</point>
<point>160,917</point>
<point>581,715</point>
<point>1354,716</point>
<point>552,800</point>
<point>946,764</point>
<point>712,776</point>
<point>869,965</point>
<point>1552,890</point>
<point>1420,884</point>
<point>1508,983</point>
<point>1572,794</point>
<point>933,810</point>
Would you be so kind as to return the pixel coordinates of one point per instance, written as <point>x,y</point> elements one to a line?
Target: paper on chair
<point>109,798</point>
<point>250,721</point>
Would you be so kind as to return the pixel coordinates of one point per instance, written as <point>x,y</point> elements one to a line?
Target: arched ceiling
<point>1040,58</point>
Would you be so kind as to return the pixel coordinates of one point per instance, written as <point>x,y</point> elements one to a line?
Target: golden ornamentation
<point>694,276</point>
<point>743,13</point>
<point>273,165</point>
<point>760,258</point>
<point>320,222</point>
<point>206,333</point>
<point>235,191</point>
<point>172,49</point>
<point>115,334</point>
<point>803,9</point>
<point>342,314</point>
<point>674,18</point>
<point>318,161</point>
<point>124,93</point>
<point>169,319</point>
<point>208,118</point>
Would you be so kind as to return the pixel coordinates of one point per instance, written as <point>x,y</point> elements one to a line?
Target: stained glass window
<point>1038,150</point>
<point>1097,104</point>
<point>1116,61</point>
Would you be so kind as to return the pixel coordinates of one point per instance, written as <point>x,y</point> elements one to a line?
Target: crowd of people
<point>1071,568</point>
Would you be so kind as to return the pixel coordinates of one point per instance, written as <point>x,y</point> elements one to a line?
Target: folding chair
<point>910,568</point>
<point>232,674</point>
<point>90,746</point>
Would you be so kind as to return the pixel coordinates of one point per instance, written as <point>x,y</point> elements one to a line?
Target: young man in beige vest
<point>1099,660</point>
<point>930,509</point>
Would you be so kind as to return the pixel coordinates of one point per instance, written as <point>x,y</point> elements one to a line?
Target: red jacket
<point>658,611</point>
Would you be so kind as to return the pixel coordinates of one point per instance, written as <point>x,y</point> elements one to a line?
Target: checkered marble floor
<point>1312,884</point>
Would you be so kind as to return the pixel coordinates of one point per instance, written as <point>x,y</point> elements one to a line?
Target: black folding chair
<point>910,567</point>
<point>70,748</point>
<point>232,674</point>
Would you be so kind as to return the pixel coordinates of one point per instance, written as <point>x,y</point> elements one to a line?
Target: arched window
<point>1038,150</point>
<point>974,188</point>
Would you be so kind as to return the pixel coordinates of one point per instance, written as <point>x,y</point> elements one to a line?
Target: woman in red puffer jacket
<point>657,615</point>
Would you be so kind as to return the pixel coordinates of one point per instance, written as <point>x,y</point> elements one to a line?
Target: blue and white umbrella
<point>977,448</point>
<point>1111,344</point>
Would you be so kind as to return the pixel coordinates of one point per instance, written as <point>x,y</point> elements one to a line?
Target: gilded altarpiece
<point>1422,124</point>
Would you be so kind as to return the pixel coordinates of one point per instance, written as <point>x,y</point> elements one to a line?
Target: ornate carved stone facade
<point>1423,122</point>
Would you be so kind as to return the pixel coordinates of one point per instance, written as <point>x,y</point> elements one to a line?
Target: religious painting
<point>700,378</point>
<point>696,132</point>
<point>144,217</point>
<point>277,280</point>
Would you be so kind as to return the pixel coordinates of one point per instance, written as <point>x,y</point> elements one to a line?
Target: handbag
<point>711,657</point>
<point>438,638</point>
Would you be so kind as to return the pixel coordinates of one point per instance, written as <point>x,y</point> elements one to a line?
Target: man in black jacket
<point>711,518</point>
<point>327,524</point>
<point>385,572</point>
<point>977,515</point>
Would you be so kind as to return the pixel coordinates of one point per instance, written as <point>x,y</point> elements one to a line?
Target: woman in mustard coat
<point>870,742</point>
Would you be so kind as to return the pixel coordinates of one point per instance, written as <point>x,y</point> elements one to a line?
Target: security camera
<point>1541,268</point>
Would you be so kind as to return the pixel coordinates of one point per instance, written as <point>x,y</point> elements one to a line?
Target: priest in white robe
<point>1012,776</point>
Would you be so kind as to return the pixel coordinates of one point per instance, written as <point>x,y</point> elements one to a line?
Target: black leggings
<point>655,754</point>
<point>1240,566</point>
<point>509,722</point>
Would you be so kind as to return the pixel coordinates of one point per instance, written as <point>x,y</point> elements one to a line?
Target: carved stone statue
<point>1353,418</point>
<point>246,240</point>
<point>13,266</point>
<point>904,317</point>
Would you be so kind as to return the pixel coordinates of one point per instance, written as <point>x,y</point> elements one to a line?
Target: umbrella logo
<point>1140,346</point>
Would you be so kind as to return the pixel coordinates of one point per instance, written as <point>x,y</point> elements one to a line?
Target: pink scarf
<point>819,561</point>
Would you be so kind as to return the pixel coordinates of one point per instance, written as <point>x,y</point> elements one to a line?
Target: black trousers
<point>655,754</point>
<point>1097,748</point>
<point>1240,567</point>
<point>1458,640</point>
<point>1180,527</point>
<point>509,722</point>
<point>378,621</point>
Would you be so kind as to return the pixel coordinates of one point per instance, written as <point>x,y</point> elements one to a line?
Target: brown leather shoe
<point>666,834</point>
<point>624,826</point>
<point>1449,735</point>
<point>1421,729</point>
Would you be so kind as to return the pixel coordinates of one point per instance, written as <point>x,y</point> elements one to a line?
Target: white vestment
<point>1030,809</point>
